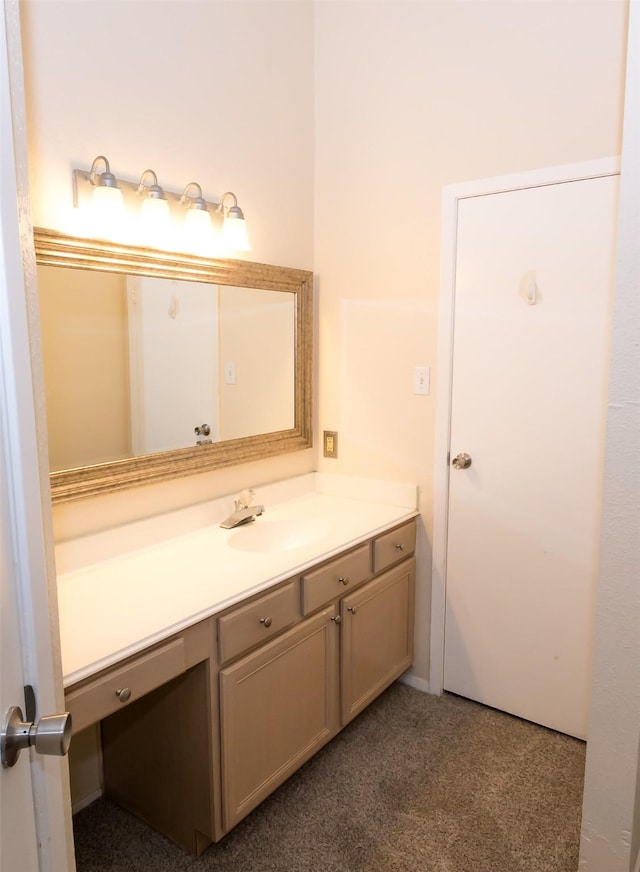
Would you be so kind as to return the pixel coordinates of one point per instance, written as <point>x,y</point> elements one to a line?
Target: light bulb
<point>234,234</point>
<point>198,232</point>
<point>107,209</point>
<point>155,221</point>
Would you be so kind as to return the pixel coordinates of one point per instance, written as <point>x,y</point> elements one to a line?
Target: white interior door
<point>17,821</point>
<point>35,807</point>
<point>534,273</point>
<point>173,342</point>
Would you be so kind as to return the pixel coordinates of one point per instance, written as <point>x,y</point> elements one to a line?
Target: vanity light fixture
<point>146,213</point>
<point>234,230</point>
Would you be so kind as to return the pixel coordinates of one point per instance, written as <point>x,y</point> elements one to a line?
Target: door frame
<point>451,196</point>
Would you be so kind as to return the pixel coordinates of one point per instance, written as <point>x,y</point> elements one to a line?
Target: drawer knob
<point>123,694</point>
<point>352,609</point>
<point>343,579</point>
<point>399,547</point>
<point>337,619</point>
<point>266,621</point>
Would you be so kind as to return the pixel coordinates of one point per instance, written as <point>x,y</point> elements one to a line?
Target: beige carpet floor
<point>417,783</point>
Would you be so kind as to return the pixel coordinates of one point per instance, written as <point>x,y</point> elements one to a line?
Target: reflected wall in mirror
<point>136,364</point>
<point>162,365</point>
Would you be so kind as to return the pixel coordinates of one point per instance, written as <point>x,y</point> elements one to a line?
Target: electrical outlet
<point>330,443</point>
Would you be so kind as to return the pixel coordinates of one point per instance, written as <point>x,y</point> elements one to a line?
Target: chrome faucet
<point>244,512</point>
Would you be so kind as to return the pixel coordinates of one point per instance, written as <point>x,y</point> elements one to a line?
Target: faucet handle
<point>245,499</point>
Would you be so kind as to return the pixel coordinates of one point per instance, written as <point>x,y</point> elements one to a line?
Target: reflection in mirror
<point>159,365</point>
<point>138,364</point>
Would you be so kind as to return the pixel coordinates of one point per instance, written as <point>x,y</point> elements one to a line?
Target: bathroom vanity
<point>218,661</point>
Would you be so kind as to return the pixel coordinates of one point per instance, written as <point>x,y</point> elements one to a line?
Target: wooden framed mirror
<point>159,365</point>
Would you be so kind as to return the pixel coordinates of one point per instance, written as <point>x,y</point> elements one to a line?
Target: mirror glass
<point>137,364</point>
<point>148,364</point>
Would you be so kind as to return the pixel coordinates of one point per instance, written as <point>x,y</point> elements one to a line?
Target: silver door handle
<point>51,735</point>
<point>461,461</point>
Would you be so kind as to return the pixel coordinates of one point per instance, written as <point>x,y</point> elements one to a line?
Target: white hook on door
<point>532,290</point>
<point>173,308</point>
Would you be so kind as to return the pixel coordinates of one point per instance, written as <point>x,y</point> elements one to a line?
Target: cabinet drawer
<point>332,580</point>
<point>257,622</point>
<point>109,692</point>
<point>394,546</point>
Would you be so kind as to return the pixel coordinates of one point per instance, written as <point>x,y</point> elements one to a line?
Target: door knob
<point>203,431</point>
<point>51,735</point>
<point>461,461</point>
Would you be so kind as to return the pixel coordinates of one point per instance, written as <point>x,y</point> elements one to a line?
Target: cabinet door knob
<point>337,619</point>
<point>352,609</point>
<point>266,621</point>
<point>343,579</point>
<point>123,694</point>
<point>399,547</point>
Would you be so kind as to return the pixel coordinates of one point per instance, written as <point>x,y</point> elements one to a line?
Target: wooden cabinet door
<point>377,637</point>
<point>278,706</point>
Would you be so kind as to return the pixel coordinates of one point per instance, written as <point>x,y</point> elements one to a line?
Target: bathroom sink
<point>264,535</point>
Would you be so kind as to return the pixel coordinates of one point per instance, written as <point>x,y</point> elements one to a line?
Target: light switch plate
<point>422,380</point>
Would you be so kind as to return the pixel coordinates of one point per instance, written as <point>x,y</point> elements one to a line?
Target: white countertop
<point>125,589</point>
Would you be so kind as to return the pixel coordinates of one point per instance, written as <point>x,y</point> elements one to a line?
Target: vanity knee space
<point>273,678</point>
<point>153,715</point>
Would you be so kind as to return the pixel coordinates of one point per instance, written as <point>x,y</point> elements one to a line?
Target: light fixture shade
<point>107,210</point>
<point>198,232</point>
<point>155,221</point>
<point>234,234</point>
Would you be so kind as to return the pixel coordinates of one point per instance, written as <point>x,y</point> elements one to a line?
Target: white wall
<point>217,92</point>
<point>611,827</point>
<point>411,96</point>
